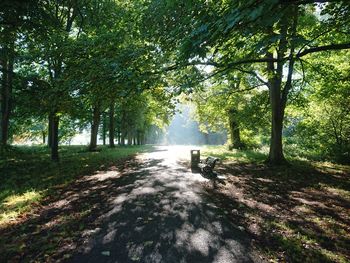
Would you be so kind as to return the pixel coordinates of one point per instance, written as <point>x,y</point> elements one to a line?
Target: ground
<point>294,213</point>
<point>152,208</point>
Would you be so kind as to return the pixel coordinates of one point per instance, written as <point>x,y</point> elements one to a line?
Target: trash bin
<point>195,158</point>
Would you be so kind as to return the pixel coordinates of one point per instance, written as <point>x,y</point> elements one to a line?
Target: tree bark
<point>44,137</point>
<point>143,138</point>
<point>129,137</point>
<point>49,132</point>
<point>118,137</point>
<point>122,138</point>
<point>94,127</point>
<point>235,135</point>
<point>139,135</point>
<point>111,124</point>
<point>276,156</point>
<point>54,137</point>
<point>278,93</point>
<point>104,129</point>
<point>6,91</point>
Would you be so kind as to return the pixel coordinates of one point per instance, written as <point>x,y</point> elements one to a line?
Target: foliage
<point>216,103</point>
<point>320,124</point>
<point>268,40</point>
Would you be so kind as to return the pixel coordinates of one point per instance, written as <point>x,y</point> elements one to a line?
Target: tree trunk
<point>49,133</point>
<point>104,129</point>
<point>206,138</point>
<point>143,138</point>
<point>278,93</point>
<point>94,128</point>
<point>139,137</point>
<point>129,137</point>
<point>276,155</point>
<point>6,92</point>
<point>122,138</point>
<point>118,137</point>
<point>44,137</point>
<point>111,124</point>
<point>235,135</point>
<point>54,137</point>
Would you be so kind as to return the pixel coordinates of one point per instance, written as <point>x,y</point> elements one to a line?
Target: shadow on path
<point>160,214</point>
<point>147,209</point>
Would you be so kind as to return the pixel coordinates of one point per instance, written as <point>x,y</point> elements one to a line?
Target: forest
<point>267,81</point>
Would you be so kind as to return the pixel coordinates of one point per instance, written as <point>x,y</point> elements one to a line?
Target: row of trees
<point>64,64</point>
<point>68,65</point>
<point>281,45</point>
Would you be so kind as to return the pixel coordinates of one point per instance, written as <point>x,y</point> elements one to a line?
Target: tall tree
<point>16,17</point>
<point>111,123</point>
<point>267,39</point>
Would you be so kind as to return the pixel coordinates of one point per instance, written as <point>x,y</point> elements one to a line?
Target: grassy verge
<point>235,155</point>
<point>27,175</point>
<point>294,213</point>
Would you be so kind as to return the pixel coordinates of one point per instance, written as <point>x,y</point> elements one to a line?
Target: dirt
<point>293,213</point>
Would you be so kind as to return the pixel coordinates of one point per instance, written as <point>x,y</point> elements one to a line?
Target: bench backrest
<point>211,161</point>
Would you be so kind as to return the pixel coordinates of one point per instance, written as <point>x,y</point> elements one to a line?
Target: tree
<point>49,47</point>
<point>246,35</point>
<point>232,105</point>
<point>320,119</point>
<point>16,17</point>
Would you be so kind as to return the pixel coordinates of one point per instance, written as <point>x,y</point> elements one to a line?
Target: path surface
<point>160,214</point>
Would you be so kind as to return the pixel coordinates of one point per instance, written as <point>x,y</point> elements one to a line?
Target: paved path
<point>161,214</point>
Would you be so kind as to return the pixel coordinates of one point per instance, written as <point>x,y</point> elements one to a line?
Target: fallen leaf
<point>148,243</point>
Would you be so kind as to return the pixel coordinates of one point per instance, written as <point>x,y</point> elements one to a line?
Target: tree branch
<point>236,63</point>
<point>288,84</point>
<point>324,48</point>
<point>313,39</point>
<point>255,75</point>
<point>303,2</point>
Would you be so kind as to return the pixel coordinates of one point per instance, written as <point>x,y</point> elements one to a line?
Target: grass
<point>294,213</point>
<point>14,205</point>
<point>260,155</point>
<point>235,155</point>
<point>28,176</point>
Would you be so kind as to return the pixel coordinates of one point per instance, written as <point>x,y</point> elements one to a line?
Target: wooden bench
<point>208,165</point>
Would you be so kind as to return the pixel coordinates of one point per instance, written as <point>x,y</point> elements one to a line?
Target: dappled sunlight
<point>160,199</point>
<point>332,167</point>
<point>234,156</point>
<point>13,205</point>
<point>149,209</point>
<point>302,212</point>
<point>19,200</point>
<point>201,241</point>
<point>101,176</point>
<point>153,208</point>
